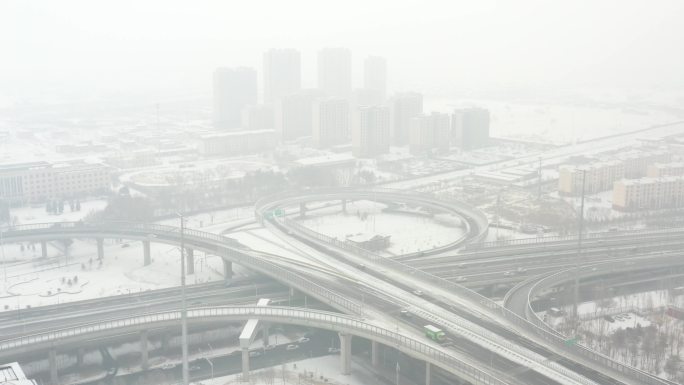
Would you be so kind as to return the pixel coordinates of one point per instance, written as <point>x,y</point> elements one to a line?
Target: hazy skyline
<point>133,47</point>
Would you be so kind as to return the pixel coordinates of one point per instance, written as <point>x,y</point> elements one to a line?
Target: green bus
<point>434,333</point>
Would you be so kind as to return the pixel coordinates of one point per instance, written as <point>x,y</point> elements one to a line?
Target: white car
<point>168,366</point>
<point>418,293</point>
<point>460,279</point>
<point>292,347</point>
<point>254,353</point>
<point>333,350</point>
<point>303,340</point>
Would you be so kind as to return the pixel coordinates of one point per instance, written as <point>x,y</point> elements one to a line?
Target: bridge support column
<point>52,360</point>
<point>266,335</point>
<point>43,249</point>
<point>344,205</point>
<point>80,352</point>
<point>428,377</point>
<point>147,259</point>
<point>100,248</point>
<point>375,354</point>
<point>144,352</point>
<point>302,210</point>
<point>245,364</point>
<point>227,269</point>
<point>190,258</point>
<point>345,353</point>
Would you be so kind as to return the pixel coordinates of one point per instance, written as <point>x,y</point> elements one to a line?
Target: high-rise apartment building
<point>234,88</point>
<point>429,132</point>
<point>405,107</point>
<point>371,132</point>
<point>294,115</point>
<point>375,75</point>
<point>258,117</point>
<point>282,74</point>
<point>330,122</point>
<point>334,72</point>
<point>470,128</point>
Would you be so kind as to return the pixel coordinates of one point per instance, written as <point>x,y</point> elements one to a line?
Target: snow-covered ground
<point>319,370</point>
<point>36,281</point>
<point>367,217</point>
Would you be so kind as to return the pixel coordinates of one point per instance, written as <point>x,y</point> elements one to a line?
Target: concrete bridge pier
<point>147,259</point>
<point>266,334</point>
<point>345,353</point>
<point>227,269</point>
<point>80,352</point>
<point>100,248</point>
<point>43,249</point>
<point>302,209</point>
<point>375,354</point>
<point>428,377</point>
<point>245,364</point>
<point>52,360</point>
<point>190,259</point>
<point>145,355</point>
<point>344,205</point>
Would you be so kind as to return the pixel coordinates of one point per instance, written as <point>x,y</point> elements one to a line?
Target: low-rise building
<point>648,193</point>
<point>41,181</point>
<point>658,170</point>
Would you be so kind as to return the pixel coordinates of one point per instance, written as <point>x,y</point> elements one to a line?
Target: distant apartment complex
<point>334,72</point>
<point>429,132</point>
<point>375,76</point>
<point>470,128</point>
<point>41,181</point>
<point>405,107</point>
<point>600,176</point>
<point>330,122</point>
<point>658,170</point>
<point>282,74</point>
<point>371,132</point>
<point>648,193</point>
<point>234,89</point>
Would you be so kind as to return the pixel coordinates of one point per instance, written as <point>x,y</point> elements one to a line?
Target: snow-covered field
<point>314,371</point>
<point>409,232</point>
<point>28,280</point>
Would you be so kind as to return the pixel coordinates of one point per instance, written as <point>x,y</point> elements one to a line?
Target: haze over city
<point>347,193</point>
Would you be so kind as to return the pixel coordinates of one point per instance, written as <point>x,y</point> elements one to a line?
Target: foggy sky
<point>93,47</point>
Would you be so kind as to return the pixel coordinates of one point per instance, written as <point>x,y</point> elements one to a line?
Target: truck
<point>434,333</point>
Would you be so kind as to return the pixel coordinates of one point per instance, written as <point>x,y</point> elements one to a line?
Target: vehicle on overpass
<point>434,333</point>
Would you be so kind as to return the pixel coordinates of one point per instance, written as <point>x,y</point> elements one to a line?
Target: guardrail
<point>544,331</point>
<point>329,320</point>
<point>606,235</point>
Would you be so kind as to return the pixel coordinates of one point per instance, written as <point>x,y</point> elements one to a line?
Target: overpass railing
<point>544,331</point>
<point>323,319</point>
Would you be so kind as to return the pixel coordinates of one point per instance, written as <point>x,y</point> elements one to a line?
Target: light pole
<point>184,308</point>
<point>579,248</point>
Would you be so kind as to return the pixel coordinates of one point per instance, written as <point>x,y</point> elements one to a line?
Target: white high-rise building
<point>282,74</point>
<point>330,122</point>
<point>294,114</point>
<point>234,88</point>
<point>405,107</point>
<point>371,132</point>
<point>429,132</point>
<point>375,75</point>
<point>334,72</point>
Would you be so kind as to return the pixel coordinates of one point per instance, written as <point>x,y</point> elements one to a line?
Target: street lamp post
<point>184,309</point>
<point>579,249</point>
